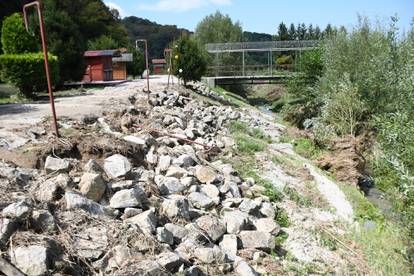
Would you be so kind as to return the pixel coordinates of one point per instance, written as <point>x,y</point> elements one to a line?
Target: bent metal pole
<point>38,6</point>
<point>146,59</point>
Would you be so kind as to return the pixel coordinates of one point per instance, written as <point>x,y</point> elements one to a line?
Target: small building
<point>119,66</point>
<point>158,66</point>
<point>99,65</point>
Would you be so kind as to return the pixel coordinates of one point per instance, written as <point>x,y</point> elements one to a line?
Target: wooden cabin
<point>119,66</point>
<point>158,66</point>
<point>99,65</point>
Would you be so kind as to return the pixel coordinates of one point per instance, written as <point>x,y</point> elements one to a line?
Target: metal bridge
<point>240,72</point>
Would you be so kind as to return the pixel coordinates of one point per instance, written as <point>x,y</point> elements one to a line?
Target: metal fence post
<point>146,59</point>
<point>38,6</point>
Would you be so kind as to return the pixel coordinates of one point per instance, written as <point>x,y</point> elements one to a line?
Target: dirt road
<point>16,117</point>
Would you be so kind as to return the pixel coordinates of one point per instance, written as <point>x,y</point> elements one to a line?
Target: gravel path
<point>15,118</point>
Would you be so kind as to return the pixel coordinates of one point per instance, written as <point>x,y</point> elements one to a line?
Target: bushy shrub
<point>189,60</point>
<point>137,66</point>
<point>343,109</point>
<point>14,37</point>
<point>284,60</point>
<point>27,73</point>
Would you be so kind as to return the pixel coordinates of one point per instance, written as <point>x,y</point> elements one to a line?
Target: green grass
<point>303,146</point>
<point>231,97</point>
<point>8,94</point>
<point>387,247</point>
<point>299,199</point>
<point>282,217</point>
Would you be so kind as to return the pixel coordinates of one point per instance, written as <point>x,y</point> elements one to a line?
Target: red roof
<point>101,53</point>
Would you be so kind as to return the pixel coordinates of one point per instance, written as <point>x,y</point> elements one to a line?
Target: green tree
<point>189,60</point>
<point>14,37</point>
<point>328,32</point>
<point>311,33</point>
<point>137,66</point>
<point>103,42</point>
<point>218,28</point>
<point>292,32</point>
<point>317,33</point>
<point>282,32</point>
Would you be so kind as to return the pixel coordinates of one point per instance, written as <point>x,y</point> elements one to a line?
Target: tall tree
<point>311,32</point>
<point>217,28</point>
<point>328,32</point>
<point>317,32</point>
<point>282,32</point>
<point>292,32</point>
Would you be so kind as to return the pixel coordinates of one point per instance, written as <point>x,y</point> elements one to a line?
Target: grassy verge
<point>231,97</point>
<point>303,146</point>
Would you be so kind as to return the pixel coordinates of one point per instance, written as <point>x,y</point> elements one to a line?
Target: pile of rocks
<point>173,211</point>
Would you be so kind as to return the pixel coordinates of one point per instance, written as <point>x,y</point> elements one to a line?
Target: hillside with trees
<point>159,36</point>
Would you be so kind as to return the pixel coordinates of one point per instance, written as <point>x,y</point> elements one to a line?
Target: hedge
<point>27,73</point>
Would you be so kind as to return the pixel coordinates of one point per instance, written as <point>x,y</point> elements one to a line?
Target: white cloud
<point>112,5</point>
<point>181,5</point>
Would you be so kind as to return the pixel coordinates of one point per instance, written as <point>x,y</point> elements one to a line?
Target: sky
<point>264,15</point>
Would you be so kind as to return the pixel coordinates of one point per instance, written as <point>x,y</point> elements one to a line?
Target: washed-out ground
<point>160,184</point>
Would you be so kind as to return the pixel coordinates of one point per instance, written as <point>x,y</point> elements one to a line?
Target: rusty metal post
<point>38,6</point>
<point>146,59</point>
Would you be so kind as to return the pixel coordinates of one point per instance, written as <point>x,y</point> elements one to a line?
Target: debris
<point>56,164</point>
<point>117,166</point>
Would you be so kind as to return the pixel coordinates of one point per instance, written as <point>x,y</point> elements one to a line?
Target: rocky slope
<point>157,187</point>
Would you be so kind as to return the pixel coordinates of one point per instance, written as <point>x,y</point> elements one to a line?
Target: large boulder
<point>147,221</point>
<point>205,174</point>
<point>236,221</point>
<point>242,268</point>
<point>229,245</point>
<point>32,260</point>
<point>48,191</point>
<point>170,261</point>
<point>257,239</point>
<point>212,226</point>
<point>267,225</point>
<point>56,164</point>
<point>178,232</point>
<point>176,206</point>
<point>200,200</point>
<point>74,201</point>
<point>18,210</point>
<point>134,197</point>
<point>92,186</point>
<point>169,185</point>
<point>117,166</point>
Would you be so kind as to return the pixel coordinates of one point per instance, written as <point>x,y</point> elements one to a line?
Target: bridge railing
<point>249,70</point>
<point>261,46</point>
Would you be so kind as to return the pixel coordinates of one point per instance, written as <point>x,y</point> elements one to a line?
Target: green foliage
<point>103,42</point>
<point>282,32</point>
<point>282,217</point>
<point>366,56</point>
<point>137,66</point>
<point>218,28</point>
<point>159,36</point>
<point>343,109</point>
<point>311,65</point>
<point>26,72</point>
<point>284,60</point>
<point>248,145</point>
<point>189,60</point>
<point>14,37</point>
<point>271,192</point>
<point>243,128</point>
